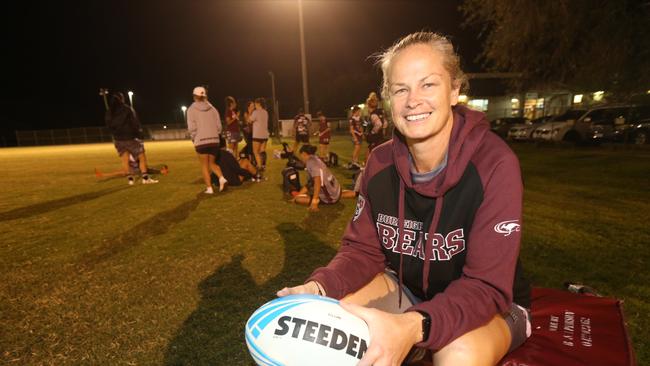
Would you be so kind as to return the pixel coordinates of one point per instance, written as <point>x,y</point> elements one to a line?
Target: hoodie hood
<point>202,106</point>
<point>467,132</point>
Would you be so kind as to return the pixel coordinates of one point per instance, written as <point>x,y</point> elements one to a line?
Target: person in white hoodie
<point>204,126</point>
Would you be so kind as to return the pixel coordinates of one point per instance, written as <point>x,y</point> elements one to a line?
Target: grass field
<point>97,272</point>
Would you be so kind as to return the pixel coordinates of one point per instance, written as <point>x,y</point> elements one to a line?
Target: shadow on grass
<point>320,221</point>
<point>155,226</point>
<point>214,333</point>
<point>44,207</point>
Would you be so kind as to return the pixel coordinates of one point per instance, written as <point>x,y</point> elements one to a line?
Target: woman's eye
<point>428,85</point>
<point>399,91</point>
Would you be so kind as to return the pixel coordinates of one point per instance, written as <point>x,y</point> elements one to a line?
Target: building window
<point>478,104</point>
<point>577,99</point>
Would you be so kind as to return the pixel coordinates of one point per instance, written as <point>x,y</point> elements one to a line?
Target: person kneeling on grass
<point>236,172</point>
<point>324,186</point>
<point>134,168</point>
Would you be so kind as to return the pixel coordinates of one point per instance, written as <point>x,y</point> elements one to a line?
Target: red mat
<point>571,330</point>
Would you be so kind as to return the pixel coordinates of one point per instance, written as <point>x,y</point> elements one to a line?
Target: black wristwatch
<point>426,325</point>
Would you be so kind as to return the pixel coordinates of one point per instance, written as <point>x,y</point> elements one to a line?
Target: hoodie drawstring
<point>400,234</point>
<point>428,244</point>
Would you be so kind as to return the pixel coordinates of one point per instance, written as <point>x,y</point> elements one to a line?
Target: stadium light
<point>184,109</point>
<point>130,93</point>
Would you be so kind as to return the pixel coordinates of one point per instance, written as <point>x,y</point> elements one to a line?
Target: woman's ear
<point>455,92</point>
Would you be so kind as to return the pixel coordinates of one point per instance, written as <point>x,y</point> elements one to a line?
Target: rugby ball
<point>299,330</point>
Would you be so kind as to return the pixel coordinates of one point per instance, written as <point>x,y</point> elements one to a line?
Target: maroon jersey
<point>234,126</point>
<point>322,126</point>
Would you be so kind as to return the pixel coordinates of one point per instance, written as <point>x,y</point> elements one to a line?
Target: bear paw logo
<point>361,202</point>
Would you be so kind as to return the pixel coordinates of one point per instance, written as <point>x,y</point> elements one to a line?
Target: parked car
<point>640,132</point>
<point>628,127</point>
<point>570,128</point>
<point>500,126</point>
<point>548,130</point>
<point>524,131</point>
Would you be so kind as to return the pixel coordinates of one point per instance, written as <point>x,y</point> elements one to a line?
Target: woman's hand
<point>313,206</point>
<point>391,335</point>
<point>310,287</point>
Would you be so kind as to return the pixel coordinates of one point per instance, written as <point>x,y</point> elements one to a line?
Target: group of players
<point>221,161</point>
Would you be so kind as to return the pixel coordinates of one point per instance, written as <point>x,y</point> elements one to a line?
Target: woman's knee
<point>485,345</point>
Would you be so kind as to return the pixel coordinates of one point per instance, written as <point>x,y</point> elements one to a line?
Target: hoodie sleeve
<point>218,117</point>
<point>191,122</point>
<point>359,258</point>
<point>485,286</point>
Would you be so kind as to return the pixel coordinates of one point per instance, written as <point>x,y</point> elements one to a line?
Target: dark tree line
<point>569,44</point>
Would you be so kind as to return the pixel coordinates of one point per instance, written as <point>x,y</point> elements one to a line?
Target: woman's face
<point>421,93</point>
<point>251,107</point>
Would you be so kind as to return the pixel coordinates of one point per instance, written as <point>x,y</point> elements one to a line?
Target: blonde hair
<point>439,43</point>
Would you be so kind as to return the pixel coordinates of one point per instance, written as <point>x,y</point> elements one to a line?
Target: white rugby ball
<point>300,330</point>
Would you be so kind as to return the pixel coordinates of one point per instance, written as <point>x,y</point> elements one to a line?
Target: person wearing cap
<point>204,126</point>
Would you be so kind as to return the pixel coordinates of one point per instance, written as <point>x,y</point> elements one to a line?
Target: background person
<point>301,129</point>
<point>376,122</point>
<point>247,128</point>
<point>233,135</point>
<point>204,125</point>
<point>324,134</point>
<point>433,206</point>
<point>236,171</point>
<point>259,118</point>
<point>125,127</point>
<point>324,186</point>
<point>356,130</point>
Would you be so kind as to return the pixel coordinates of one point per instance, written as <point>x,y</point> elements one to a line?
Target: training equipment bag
<point>300,330</point>
<point>290,180</point>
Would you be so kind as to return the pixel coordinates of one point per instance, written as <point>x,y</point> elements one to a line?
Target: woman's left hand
<point>391,335</point>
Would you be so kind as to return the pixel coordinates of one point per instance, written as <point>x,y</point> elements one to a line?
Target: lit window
<point>598,96</point>
<point>462,98</point>
<point>577,98</point>
<point>478,104</point>
<point>540,103</point>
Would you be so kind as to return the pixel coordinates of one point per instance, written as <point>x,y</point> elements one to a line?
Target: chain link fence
<point>178,131</point>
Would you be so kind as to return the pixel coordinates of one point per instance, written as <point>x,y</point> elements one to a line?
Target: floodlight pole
<point>276,114</point>
<point>130,98</point>
<point>303,59</point>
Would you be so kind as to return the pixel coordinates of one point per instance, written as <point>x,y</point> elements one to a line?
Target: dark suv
<point>629,125</point>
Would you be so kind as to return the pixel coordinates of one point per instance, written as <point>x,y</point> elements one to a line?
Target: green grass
<point>96,272</point>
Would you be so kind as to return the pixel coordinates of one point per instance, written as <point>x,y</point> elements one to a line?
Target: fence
<point>87,135</point>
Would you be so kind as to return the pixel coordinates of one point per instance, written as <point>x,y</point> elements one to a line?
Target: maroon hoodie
<point>453,240</point>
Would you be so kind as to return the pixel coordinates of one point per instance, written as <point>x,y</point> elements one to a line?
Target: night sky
<point>62,52</point>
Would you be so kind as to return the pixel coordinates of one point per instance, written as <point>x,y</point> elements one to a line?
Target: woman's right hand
<point>310,288</point>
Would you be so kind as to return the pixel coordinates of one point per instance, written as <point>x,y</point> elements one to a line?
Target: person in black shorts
<point>204,126</point>
<point>125,127</point>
